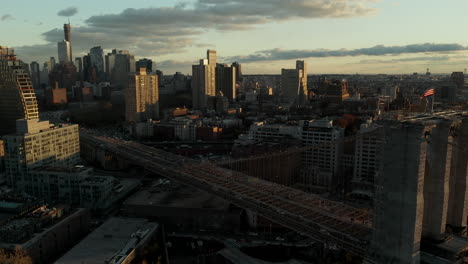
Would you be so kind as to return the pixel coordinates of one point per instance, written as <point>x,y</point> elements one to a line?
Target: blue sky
<point>176,34</point>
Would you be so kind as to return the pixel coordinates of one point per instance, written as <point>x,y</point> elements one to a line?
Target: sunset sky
<point>333,36</point>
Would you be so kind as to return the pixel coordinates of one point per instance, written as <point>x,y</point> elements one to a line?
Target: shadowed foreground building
<point>42,232</point>
<point>38,144</point>
<point>17,98</point>
<point>118,240</point>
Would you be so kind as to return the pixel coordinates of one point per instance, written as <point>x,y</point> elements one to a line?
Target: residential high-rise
<point>37,144</point>
<point>17,97</point>
<point>35,74</point>
<point>367,159</point>
<point>294,84</point>
<point>211,55</point>
<point>64,51</point>
<point>226,81</point>
<point>324,157</point>
<point>142,97</point>
<point>204,81</point>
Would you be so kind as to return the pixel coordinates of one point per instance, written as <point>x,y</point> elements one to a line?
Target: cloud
<point>6,17</point>
<point>168,30</point>
<point>279,54</point>
<point>411,59</point>
<point>68,12</point>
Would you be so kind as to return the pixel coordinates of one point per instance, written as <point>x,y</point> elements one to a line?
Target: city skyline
<point>339,36</point>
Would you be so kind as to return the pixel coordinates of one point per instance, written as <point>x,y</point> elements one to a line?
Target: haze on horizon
<point>333,36</point>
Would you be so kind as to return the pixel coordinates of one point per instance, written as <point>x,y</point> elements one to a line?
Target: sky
<point>332,36</point>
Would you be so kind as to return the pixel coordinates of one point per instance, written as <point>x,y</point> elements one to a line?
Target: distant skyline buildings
<point>375,42</point>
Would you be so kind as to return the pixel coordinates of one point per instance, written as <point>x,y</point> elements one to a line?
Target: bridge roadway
<point>326,221</point>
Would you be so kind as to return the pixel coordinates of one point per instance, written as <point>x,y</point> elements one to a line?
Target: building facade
<point>17,97</point>
<point>142,97</point>
<point>226,81</point>
<point>323,154</point>
<point>64,51</point>
<point>204,81</point>
<point>37,144</point>
<point>294,84</point>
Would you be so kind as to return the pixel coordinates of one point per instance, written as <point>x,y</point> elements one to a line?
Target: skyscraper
<point>52,63</point>
<point>238,71</point>
<point>211,55</point>
<point>64,51</point>
<point>97,59</point>
<point>79,67</point>
<point>204,81</point>
<point>145,63</point>
<point>17,98</point>
<point>110,62</point>
<point>142,97</point>
<point>35,74</point>
<point>294,84</point>
<point>226,81</point>
<point>123,65</point>
<point>67,36</point>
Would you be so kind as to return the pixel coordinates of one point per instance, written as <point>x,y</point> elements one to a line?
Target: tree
<point>18,256</point>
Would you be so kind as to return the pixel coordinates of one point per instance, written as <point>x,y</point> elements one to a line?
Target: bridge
<point>327,221</point>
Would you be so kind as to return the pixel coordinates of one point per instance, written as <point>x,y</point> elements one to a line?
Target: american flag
<point>427,93</point>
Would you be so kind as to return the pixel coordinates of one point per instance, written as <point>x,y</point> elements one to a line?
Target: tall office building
<point>52,63</point>
<point>79,67</point>
<point>17,98</point>
<point>67,36</point>
<point>97,59</point>
<point>144,63</point>
<point>35,74</point>
<point>142,97</point>
<point>123,65</point>
<point>64,51</point>
<point>110,61</point>
<point>45,73</point>
<point>204,82</point>
<point>226,81</point>
<point>238,71</point>
<point>294,84</point>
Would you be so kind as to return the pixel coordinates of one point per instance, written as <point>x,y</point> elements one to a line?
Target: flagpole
<point>432,109</point>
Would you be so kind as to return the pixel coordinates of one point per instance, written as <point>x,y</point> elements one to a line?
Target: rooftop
<point>170,194</point>
<point>109,241</point>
